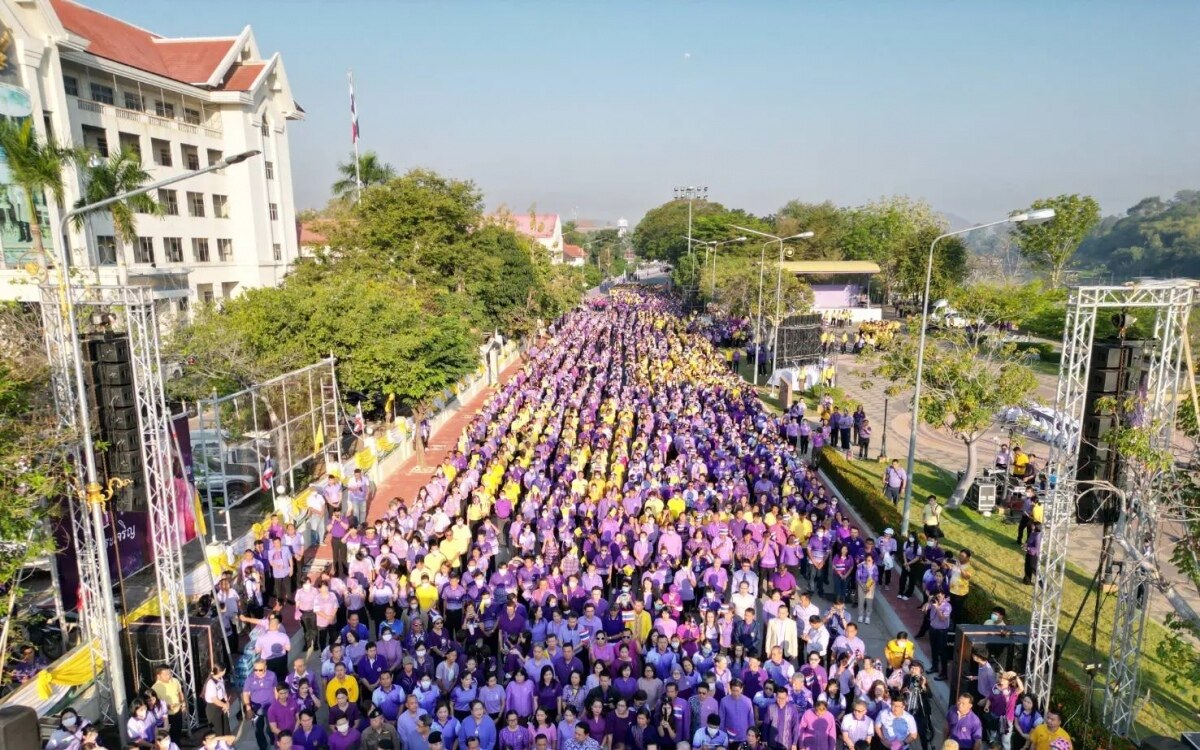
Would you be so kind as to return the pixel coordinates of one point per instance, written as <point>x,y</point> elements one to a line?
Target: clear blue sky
<point>978,107</point>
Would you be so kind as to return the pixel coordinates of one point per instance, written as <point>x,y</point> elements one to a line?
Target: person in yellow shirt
<point>426,593</point>
<point>640,625</point>
<point>960,585</point>
<point>1044,735</point>
<point>898,650</point>
<point>341,681</point>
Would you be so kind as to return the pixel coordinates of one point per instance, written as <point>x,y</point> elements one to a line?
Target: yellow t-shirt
<point>427,596</point>
<point>960,579</point>
<point>896,653</point>
<point>170,693</point>
<point>349,683</point>
<point>1041,737</point>
<point>1038,513</point>
<point>1020,463</point>
<point>931,515</point>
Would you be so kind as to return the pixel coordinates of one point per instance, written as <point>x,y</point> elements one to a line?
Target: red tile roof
<point>538,227</point>
<point>310,237</point>
<point>574,251</point>
<point>241,76</point>
<point>185,60</point>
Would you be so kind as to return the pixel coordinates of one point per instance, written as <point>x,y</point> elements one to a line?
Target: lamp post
<point>691,193</point>
<point>1037,216</point>
<point>778,286</point>
<point>95,494</point>
<point>712,290</point>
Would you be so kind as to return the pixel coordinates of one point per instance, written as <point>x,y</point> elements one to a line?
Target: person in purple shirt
<point>282,713</point>
<point>1033,549</point>
<point>345,736</point>
<point>309,735</point>
<point>963,726</point>
<point>736,712</point>
<point>257,695</point>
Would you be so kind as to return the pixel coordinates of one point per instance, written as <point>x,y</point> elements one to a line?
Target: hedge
<point>878,512</point>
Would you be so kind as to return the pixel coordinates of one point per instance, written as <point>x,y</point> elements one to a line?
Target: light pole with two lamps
<point>690,194</point>
<point>778,288</point>
<point>1037,216</point>
<point>94,493</point>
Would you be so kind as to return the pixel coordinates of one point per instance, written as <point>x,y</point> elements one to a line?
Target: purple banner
<point>127,539</point>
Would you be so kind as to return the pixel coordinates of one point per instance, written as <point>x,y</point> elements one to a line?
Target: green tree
<point>1049,247</point>
<point>120,173</point>
<point>503,280</point>
<point>371,170</point>
<point>826,221</point>
<point>894,232</point>
<point>662,232</point>
<point>37,167</point>
<point>967,381</point>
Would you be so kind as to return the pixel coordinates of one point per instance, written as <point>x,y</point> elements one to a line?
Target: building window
<point>206,294</point>
<point>102,93</point>
<point>220,206</point>
<point>183,305</point>
<point>225,250</point>
<point>266,128</point>
<point>132,144</point>
<point>71,85</point>
<point>170,201</point>
<point>173,246</point>
<point>195,204</point>
<point>144,252</point>
<point>134,101</point>
<point>96,140</point>
<point>106,250</point>
<point>199,250</point>
<point>162,152</point>
<point>274,209</point>
<point>164,109</point>
<point>278,250</point>
<point>270,170</point>
<point>191,157</point>
<point>191,116</point>
<point>214,156</point>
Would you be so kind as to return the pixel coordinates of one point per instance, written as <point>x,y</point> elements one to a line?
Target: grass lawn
<point>999,563</point>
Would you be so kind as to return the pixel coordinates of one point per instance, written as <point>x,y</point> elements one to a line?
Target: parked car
<point>233,484</point>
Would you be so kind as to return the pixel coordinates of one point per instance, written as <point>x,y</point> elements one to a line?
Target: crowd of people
<point>624,551</point>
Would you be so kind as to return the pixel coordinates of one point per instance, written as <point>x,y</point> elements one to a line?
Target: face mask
<point>387,635</point>
<point>929,543</point>
<point>425,684</point>
<point>421,654</point>
<point>674,644</point>
<point>68,721</point>
<point>343,728</point>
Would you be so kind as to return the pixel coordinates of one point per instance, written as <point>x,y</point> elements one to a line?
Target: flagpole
<point>354,135</point>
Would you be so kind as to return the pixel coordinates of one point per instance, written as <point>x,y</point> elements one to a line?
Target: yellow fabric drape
<point>364,459</point>
<point>72,672</point>
<point>319,438</point>
<point>198,509</point>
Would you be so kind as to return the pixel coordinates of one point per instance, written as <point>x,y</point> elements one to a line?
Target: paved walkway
<point>949,453</point>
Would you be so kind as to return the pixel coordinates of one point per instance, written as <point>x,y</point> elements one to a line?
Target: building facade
<point>88,79</point>
<point>545,229</point>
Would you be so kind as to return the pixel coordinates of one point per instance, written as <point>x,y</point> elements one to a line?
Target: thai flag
<point>353,115</point>
<point>268,474</point>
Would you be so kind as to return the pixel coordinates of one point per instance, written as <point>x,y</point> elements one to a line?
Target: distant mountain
<point>956,222</point>
<point>1156,237</point>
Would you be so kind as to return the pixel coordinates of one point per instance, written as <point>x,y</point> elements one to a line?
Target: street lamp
<point>778,286</point>
<point>712,292</point>
<point>95,494</point>
<point>1037,216</point>
<point>691,193</point>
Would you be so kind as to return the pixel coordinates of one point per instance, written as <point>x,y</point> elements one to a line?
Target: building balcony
<point>146,118</point>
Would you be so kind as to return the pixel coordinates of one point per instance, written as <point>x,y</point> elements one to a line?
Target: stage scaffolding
<point>133,311</point>
<point>284,422</point>
<point>1169,302</point>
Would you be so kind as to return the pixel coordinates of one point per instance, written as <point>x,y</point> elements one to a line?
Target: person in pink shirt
<point>818,727</point>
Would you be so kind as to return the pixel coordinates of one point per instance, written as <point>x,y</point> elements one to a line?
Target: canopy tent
<point>847,286</point>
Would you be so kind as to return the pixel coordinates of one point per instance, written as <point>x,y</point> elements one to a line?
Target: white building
<point>90,79</point>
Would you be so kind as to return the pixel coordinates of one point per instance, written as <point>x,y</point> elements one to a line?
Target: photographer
<point>918,701</point>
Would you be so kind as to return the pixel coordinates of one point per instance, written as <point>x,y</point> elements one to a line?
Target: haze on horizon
<point>602,107</point>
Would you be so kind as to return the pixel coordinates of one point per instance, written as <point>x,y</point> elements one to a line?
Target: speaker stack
<point>115,417</point>
<point>143,651</point>
<point>1118,373</point>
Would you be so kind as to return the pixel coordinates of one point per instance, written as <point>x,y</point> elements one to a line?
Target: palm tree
<point>37,167</point>
<point>371,169</point>
<point>120,173</point>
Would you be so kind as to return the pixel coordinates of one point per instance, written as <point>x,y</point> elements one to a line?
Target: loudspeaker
<point>112,351</point>
<point>19,728</point>
<point>120,419</point>
<point>115,397</point>
<point>132,496</point>
<point>142,646</point>
<point>124,463</point>
<point>125,440</point>
<point>108,375</point>
<point>1108,382</point>
<point>1110,355</point>
<point>1006,648</point>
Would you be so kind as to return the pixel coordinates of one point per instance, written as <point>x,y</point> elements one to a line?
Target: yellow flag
<point>319,438</point>
<point>198,509</point>
<point>387,408</point>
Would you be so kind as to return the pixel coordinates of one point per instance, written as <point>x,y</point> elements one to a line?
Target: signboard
<point>127,540</point>
<point>17,212</point>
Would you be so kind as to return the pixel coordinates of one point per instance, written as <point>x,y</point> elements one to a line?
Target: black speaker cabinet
<point>1006,647</point>
<point>19,728</point>
<point>142,647</point>
<point>1168,743</point>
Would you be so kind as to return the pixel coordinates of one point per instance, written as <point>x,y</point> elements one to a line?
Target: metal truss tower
<point>1169,302</point>
<point>133,310</point>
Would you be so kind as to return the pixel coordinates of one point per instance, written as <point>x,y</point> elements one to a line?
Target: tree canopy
<point>1050,246</point>
<point>1156,237</point>
<point>371,170</point>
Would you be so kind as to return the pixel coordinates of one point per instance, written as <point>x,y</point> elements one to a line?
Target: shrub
<point>1086,730</point>
<point>1045,352</point>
